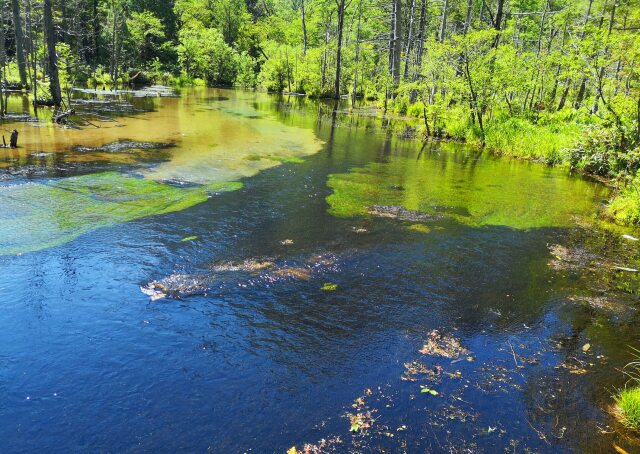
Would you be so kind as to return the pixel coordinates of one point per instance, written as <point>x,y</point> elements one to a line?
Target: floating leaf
<point>292,450</point>
<point>354,427</point>
<point>189,238</point>
<point>586,347</point>
<point>433,392</point>
<point>328,287</point>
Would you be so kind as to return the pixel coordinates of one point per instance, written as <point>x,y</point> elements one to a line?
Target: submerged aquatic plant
<point>466,188</point>
<point>38,215</point>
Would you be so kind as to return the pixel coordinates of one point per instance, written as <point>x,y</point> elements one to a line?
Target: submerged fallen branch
<point>63,117</point>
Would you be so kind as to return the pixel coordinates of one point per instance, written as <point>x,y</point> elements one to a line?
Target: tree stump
<point>13,141</point>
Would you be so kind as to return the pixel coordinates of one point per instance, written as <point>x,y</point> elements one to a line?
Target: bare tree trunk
<point>304,29</point>
<point>3,60</point>
<point>17,23</point>
<point>599,93</point>
<point>638,123</point>
<point>583,82</point>
<point>52,57</point>
<point>34,62</point>
<point>114,45</point>
<point>407,51</point>
<point>341,11</point>
<point>443,29</point>
<point>354,94</point>
<point>443,23</point>
<point>467,20</point>
<point>421,33</point>
<point>498,22</point>
<point>396,40</point>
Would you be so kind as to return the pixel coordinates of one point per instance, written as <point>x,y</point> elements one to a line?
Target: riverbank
<point>568,139</point>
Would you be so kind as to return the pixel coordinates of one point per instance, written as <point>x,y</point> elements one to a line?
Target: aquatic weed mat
<point>40,215</point>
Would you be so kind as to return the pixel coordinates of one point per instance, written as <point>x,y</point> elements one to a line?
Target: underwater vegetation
<point>475,191</point>
<point>44,214</point>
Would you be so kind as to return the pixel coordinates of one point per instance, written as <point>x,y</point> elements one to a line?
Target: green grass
<point>624,208</point>
<point>628,406</point>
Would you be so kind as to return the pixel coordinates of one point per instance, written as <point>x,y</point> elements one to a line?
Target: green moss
<point>469,188</point>
<point>628,407</point>
<point>36,216</point>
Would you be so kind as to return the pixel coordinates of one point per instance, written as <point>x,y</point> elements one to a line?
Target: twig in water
<point>513,353</point>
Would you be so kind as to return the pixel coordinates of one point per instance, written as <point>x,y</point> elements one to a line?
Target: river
<point>228,271</point>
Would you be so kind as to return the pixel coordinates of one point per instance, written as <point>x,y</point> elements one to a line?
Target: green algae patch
<point>475,190</point>
<point>37,215</point>
<point>420,228</point>
<point>224,186</point>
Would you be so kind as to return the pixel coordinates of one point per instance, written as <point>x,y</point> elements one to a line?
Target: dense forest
<point>554,80</point>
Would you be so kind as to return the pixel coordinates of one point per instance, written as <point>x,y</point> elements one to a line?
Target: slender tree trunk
<point>599,93</point>
<point>3,60</point>
<point>114,45</point>
<point>441,35</point>
<point>421,33</point>
<point>542,24</point>
<point>17,23</point>
<point>498,21</point>
<point>638,123</point>
<point>341,11</point>
<point>52,57</point>
<point>396,40</point>
<point>443,23</point>
<point>474,98</point>
<point>354,94</point>
<point>467,20</point>
<point>95,32</point>
<point>304,29</point>
<point>407,51</point>
<point>583,83</point>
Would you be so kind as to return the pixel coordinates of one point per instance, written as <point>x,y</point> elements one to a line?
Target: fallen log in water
<point>63,116</point>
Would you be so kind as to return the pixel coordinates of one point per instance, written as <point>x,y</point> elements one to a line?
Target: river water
<point>227,271</point>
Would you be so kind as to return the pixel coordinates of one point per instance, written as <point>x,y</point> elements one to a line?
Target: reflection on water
<point>264,357</point>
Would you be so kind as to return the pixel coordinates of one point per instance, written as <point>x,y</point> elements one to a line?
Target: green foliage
<point>625,207</point>
<point>147,33</point>
<point>600,151</point>
<point>203,53</point>
<point>628,403</point>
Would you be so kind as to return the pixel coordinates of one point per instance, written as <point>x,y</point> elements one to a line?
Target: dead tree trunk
<point>17,23</point>
<point>52,57</point>
<point>395,45</point>
<point>3,60</point>
<point>304,28</point>
<point>341,4</point>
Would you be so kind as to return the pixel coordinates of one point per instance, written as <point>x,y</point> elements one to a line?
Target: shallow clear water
<point>261,358</point>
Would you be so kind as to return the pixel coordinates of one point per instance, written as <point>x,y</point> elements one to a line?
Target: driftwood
<point>62,117</point>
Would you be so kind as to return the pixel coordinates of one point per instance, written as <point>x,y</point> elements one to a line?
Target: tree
<point>52,58</point>
<point>19,34</point>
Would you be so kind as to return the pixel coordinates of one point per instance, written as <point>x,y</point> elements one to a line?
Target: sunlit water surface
<point>265,359</point>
